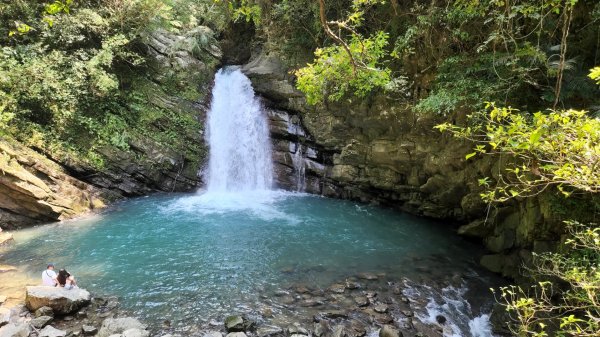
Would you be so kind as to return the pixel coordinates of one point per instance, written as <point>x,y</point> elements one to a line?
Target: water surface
<point>192,258</point>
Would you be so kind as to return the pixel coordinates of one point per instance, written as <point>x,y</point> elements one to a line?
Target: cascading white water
<point>238,136</point>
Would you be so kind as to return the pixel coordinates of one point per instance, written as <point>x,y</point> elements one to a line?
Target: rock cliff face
<point>39,185</point>
<point>381,151</point>
<point>34,189</point>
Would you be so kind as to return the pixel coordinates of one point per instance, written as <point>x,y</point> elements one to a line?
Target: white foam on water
<point>261,204</point>
<point>451,304</point>
<point>480,326</point>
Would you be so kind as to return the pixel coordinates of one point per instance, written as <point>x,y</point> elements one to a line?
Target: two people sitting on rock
<point>62,279</point>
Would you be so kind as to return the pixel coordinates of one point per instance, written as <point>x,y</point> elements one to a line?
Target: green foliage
<point>578,312</point>
<point>557,148</point>
<point>353,65</point>
<point>333,75</point>
<point>595,74</point>
<point>65,81</point>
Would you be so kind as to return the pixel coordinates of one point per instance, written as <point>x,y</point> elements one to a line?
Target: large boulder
<point>61,301</point>
<point>124,326</point>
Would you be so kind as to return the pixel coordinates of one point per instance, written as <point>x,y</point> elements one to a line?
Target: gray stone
<point>89,330</point>
<point>310,303</point>
<point>44,311</point>
<point>296,329</point>
<point>269,331</point>
<point>407,313</point>
<point>135,333</point>
<point>236,334</point>
<point>15,330</point>
<point>367,276</point>
<point>213,334</point>
<point>4,316</point>
<point>337,288</point>
<point>355,329</point>
<point>381,308</point>
<point>361,301</point>
<point>234,323</point>
<point>50,331</point>
<point>40,322</point>
<point>338,331</point>
<point>61,300</point>
<point>112,326</point>
<point>331,314</point>
<point>352,285</point>
<point>389,331</point>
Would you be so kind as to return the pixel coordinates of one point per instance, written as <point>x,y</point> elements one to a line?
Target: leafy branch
<point>557,148</point>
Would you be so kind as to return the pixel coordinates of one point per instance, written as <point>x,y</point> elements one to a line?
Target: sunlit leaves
<point>577,313</point>
<point>595,74</point>
<point>560,148</point>
<point>332,75</point>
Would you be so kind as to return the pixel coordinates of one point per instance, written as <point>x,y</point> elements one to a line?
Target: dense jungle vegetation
<point>75,76</point>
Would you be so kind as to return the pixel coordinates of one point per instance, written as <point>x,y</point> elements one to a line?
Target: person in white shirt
<point>49,276</point>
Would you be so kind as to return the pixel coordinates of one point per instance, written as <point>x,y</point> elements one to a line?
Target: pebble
<point>367,276</point>
<point>297,330</point>
<point>381,308</point>
<point>351,285</point>
<point>40,322</point>
<point>89,330</point>
<point>407,313</point>
<point>269,331</point>
<point>389,331</point>
<point>361,301</point>
<point>337,288</point>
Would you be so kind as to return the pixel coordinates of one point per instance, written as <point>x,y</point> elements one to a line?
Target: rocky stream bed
<point>364,304</point>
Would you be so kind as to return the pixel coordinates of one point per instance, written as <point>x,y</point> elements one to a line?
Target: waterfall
<point>299,168</point>
<point>238,136</point>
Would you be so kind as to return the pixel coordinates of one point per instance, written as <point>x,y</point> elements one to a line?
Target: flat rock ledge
<point>61,301</point>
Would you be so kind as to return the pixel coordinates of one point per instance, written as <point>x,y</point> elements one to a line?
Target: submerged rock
<point>234,323</point>
<point>389,331</point>
<point>381,308</point>
<point>297,330</point>
<point>61,301</point>
<point>236,334</point>
<point>112,326</point>
<point>269,331</point>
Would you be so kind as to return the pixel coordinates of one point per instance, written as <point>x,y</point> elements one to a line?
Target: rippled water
<point>191,258</point>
